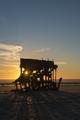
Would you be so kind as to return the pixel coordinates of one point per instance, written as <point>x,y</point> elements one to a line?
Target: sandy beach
<point>39,105</point>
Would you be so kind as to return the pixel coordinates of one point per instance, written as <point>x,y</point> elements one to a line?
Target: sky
<point>48,29</point>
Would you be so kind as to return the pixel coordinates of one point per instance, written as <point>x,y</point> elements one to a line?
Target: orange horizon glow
<point>15,73</point>
<point>64,71</point>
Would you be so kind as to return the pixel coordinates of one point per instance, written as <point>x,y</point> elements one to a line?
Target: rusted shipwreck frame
<point>37,74</point>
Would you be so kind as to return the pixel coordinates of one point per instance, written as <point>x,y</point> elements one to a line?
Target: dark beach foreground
<point>39,105</point>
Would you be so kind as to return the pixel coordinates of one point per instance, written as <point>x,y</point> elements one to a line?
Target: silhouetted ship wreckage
<point>37,74</point>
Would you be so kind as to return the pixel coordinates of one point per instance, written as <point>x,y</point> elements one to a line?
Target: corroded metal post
<point>55,74</point>
<point>20,70</point>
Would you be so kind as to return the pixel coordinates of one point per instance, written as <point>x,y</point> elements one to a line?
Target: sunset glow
<point>43,29</point>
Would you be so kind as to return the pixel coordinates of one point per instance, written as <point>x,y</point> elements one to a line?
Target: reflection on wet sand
<point>39,105</point>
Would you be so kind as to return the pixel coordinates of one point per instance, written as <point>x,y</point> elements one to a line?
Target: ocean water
<point>6,86</point>
<point>67,85</point>
<point>70,85</point>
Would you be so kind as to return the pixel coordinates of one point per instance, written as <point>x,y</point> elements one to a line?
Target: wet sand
<point>39,105</point>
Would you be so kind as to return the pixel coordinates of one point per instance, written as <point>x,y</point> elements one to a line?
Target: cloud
<point>61,62</point>
<point>42,50</point>
<point>8,47</point>
<point>9,54</point>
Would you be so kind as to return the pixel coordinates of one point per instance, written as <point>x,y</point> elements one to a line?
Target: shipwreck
<point>37,74</point>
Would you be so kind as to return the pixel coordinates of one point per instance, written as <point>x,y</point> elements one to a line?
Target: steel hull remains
<point>37,74</point>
